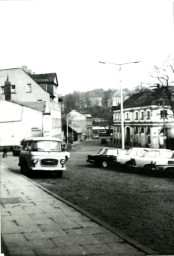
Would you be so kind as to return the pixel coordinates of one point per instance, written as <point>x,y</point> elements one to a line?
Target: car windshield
<point>47,145</point>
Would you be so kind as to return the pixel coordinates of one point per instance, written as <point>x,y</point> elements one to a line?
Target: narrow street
<point>138,204</point>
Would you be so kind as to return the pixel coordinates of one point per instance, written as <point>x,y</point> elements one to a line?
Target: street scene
<point>135,203</point>
<point>87,128</point>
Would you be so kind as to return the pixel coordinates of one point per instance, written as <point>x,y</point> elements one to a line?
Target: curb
<point>117,232</point>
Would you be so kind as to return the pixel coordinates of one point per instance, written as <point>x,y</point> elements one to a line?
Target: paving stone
<point>14,240</point>
<point>40,243</point>
<point>81,240</point>
<point>98,249</point>
<point>86,231</point>
<point>110,238</point>
<point>61,225</point>
<point>64,241</point>
<point>71,251</point>
<point>21,252</point>
<point>33,209</point>
<point>46,234</point>
<point>16,210</point>
<point>66,223</point>
<point>124,248</point>
<point>12,228</point>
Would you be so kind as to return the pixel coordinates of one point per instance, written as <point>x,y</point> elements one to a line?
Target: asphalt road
<point>141,205</point>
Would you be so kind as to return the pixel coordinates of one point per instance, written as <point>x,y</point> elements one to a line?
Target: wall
<point>24,123</point>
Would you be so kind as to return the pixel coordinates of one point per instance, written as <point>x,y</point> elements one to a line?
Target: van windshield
<point>47,145</point>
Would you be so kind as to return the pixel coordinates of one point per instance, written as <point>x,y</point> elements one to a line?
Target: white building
<point>34,90</point>
<point>148,119</point>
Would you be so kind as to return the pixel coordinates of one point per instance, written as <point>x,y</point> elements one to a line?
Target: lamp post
<point>67,129</point>
<point>121,95</point>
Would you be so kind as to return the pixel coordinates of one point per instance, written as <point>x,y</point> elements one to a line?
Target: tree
<point>165,78</point>
<point>165,73</point>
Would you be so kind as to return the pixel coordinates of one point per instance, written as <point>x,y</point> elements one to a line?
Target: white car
<point>165,164</point>
<point>132,152</point>
<point>152,159</point>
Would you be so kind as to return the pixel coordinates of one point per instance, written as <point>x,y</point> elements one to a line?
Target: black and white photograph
<point>87,127</point>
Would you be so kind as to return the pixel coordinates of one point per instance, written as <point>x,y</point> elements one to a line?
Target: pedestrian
<point>5,152</point>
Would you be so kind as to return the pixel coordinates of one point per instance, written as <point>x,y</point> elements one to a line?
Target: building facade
<point>21,86</point>
<point>18,122</point>
<point>79,126</point>
<point>148,119</point>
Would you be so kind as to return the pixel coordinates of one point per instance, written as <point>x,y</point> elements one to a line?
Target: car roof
<point>42,138</point>
<point>160,149</point>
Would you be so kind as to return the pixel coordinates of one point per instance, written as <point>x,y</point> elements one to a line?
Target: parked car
<point>95,136</point>
<point>43,154</point>
<point>105,157</point>
<point>125,159</point>
<point>16,150</point>
<point>165,164</point>
<point>151,159</point>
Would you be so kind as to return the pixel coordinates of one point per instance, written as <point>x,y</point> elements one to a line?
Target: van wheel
<point>59,174</point>
<point>25,169</point>
<point>104,164</point>
<point>22,168</point>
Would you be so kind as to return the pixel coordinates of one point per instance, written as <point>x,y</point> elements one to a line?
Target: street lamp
<point>121,95</point>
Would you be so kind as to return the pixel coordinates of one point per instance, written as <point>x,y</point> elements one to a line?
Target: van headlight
<point>62,161</point>
<point>35,161</point>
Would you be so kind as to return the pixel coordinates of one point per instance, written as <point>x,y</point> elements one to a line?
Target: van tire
<point>59,174</point>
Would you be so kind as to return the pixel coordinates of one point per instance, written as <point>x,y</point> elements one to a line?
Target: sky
<point>70,37</point>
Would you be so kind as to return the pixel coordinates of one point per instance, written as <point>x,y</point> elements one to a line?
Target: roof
<point>36,105</point>
<point>76,129</point>
<point>48,78</point>
<point>148,97</point>
<point>43,138</point>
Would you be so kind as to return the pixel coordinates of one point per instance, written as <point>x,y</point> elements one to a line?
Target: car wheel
<point>104,164</point>
<point>169,172</point>
<point>148,167</point>
<point>127,164</point>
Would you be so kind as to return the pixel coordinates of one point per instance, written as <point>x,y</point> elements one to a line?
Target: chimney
<point>7,89</point>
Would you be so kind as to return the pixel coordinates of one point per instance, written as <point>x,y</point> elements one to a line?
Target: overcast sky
<point>69,37</point>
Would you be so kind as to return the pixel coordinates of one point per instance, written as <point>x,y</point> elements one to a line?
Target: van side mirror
<point>29,148</point>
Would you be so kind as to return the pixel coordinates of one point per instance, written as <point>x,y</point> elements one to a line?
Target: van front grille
<point>49,162</point>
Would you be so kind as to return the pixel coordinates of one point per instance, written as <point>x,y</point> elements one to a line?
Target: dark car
<point>105,157</point>
<point>16,150</point>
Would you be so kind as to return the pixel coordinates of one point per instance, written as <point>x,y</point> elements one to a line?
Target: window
<point>142,115</point>
<point>136,115</point>
<point>148,115</point>
<point>29,88</point>
<point>1,89</point>
<point>127,116</point>
<point>13,89</point>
